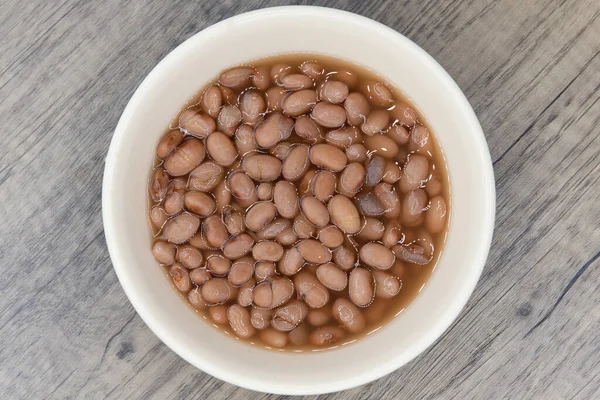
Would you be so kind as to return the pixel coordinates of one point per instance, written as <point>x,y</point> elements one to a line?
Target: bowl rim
<point>438,327</point>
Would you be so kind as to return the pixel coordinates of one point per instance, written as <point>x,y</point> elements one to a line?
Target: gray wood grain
<point>531,71</point>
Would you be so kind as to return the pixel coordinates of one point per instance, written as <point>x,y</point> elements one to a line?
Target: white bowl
<point>284,30</point>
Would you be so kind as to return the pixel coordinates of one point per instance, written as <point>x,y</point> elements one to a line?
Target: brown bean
<point>205,177</point>
<point>302,228</point>
<point>382,145</point>
<point>376,255</point>
<point>185,157</point>
<point>278,71</point>
<point>189,256</point>
<point>313,292</point>
<point>252,106</point>
<point>244,297</point>
<point>375,170</point>
<point>263,269</point>
<point>411,253</point>
<point>345,257</point>
<point>242,188</point>
<point>413,205</point>
<point>197,124</point>
<point>398,134</point>
<point>180,277</point>
<point>333,91</point>
<point>291,262</point>
<point>216,291</point>
<point>181,228</point>
<point>239,320</point>
<point>262,167</point>
<point>387,286</point>
<point>241,271</point>
<point>196,300</point>
<point>392,172</point>
<point>285,199</point>
<point>274,228</point>
<point>314,251</point>
<point>378,93</point>
<point>328,115</point>
<point>326,335</point>
<point>244,140</point>
<point>296,162</point>
<point>312,69</point>
<point>433,187</point>
<point>369,206</point>
<point>435,216</point>
<point>229,96</point>
<point>217,264</point>
<point>392,234</point>
<point>260,318</point>
<point>404,114</point>
<point>420,140</point>
<point>274,128</point>
<point>332,276</point>
<point>372,229</point>
<point>287,237</point>
<point>319,317</point>
<point>299,102</point>
<point>198,241</point>
<point>330,236</point>
<point>352,179</point>
<point>343,137</point>
<point>222,196</point>
<point>264,191</point>
<point>174,199</point>
<point>260,215</point>
<point>357,108</point>
<point>348,315</point>
<point>306,182</point>
<point>314,210</point>
<point>323,185</point>
<point>281,150</point>
<point>236,77</point>
<point>274,338</point>
<point>261,78</point>
<point>344,214</point>
<point>348,77</point>
<point>218,314</point>
<point>377,122</point>
<point>230,117</point>
<point>200,275</point>
<point>275,97</point>
<point>296,82</point>
<point>168,143</point>
<point>221,149</point>
<point>356,153</point>
<point>164,252</point>
<point>233,220</point>
<point>328,157</point>
<point>308,130</point>
<point>361,286</point>
<point>212,100</point>
<point>387,196</point>
<point>289,316</point>
<point>158,217</point>
<point>238,246</point>
<point>200,203</point>
<point>214,232</point>
<point>267,250</point>
<point>273,292</point>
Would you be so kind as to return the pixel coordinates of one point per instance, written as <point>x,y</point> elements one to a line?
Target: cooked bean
<point>241,271</point>
<point>372,229</point>
<point>296,82</point>
<point>273,292</point>
<point>331,236</point>
<point>181,228</point>
<point>308,130</point>
<point>369,206</point>
<point>378,93</point>
<point>287,237</point>
<point>291,262</point>
<point>263,269</point>
<point>344,214</point>
<point>289,316</point>
<point>433,187</point>
<point>214,232</point>
<point>313,292</point>
<point>413,205</point>
<point>296,162</point>
<point>274,338</point>
<point>233,220</point>
<point>199,276</point>
<point>189,256</point>
<point>328,157</point>
<point>278,71</point>
<point>164,252</point>
<point>326,335</point>
<point>352,179</point>
<point>356,153</point>
<point>375,170</point>
<point>314,210</point>
<point>382,145</point>
<point>244,140</point>
<point>239,320</point>
<point>319,317</point>
<point>274,228</point>
<point>238,246</point>
<point>357,108</point>
<point>260,318</point>
<point>391,173</point>
<point>260,215</point>
<point>198,241</point>
<point>221,149</point>
<point>229,96</point>
<point>229,119</point>
<point>262,167</point>
<point>216,291</point>
<point>302,227</point>
<point>348,315</point>
<point>168,143</point>
<point>387,285</point>
<point>377,122</point>
<point>205,177</point>
<point>274,128</point>
<point>387,196</point>
<point>314,251</point>
<point>242,187</point>
<point>264,191</point>
<point>281,150</point>
<point>218,265</point>
<point>236,76</point>
<point>261,78</point>
<point>181,277</point>
<point>435,216</point>
<point>185,157</point>
<point>333,91</point>
<point>404,114</point>
<point>200,203</point>
<point>275,97</point>
<point>174,199</point>
<point>195,123</point>
<point>343,137</point>
<point>332,276</point>
<point>158,217</point>
<point>323,185</point>
<point>328,115</point>
<point>312,69</point>
<point>376,255</point>
<point>361,287</point>
<point>420,140</point>
<point>218,314</point>
<point>398,134</point>
<point>267,250</point>
<point>414,254</point>
<point>300,102</point>
<point>222,196</point>
<point>285,199</point>
<point>196,300</point>
<point>244,297</point>
<point>212,100</point>
<point>392,234</point>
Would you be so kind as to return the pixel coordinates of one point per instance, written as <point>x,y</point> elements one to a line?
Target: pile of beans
<point>294,202</point>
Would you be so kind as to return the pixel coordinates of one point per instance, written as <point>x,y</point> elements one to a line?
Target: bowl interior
<point>256,35</point>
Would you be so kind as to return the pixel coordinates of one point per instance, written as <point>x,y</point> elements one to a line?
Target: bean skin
<point>181,277</point>
<point>344,214</point>
<point>348,315</point>
<point>274,228</point>
<point>435,216</point>
<point>328,157</point>
<point>328,115</point>
<point>326,335</point>
<point>233,220</point>
<point>296,162</point>
<point>376,255</point>
<point>312,292</point>
<point>413,254</point>
<point>332,276</point>
<point>375,170</point>
<point>196,300</point>
<point>387,196</point>
<point>420,140</point>
<point>164,252</point>
<point>181,228</point>
<point>289,316</point>
<point>205,177</point>
<point>260,318</point>
<point>168,143</point>
<point>221,149</point>
<point>356,153</point>
<point>361,287</point>
<point>239,320</point>
<point>314,251</point>
<point>222,196</point>
<point>369,205</point>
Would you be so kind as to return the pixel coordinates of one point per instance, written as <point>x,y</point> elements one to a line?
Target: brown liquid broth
<point>414,278</point>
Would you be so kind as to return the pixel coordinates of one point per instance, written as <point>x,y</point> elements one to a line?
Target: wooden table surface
<point>530,69</point>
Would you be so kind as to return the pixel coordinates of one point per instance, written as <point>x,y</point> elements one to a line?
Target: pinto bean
<point>287,237</point>
<point>332,276</point>
<point>375,170</point>
<point>252,107</point>
<point>244,140</point>
<point>344,214</point>
<point>180,277</point>
<point>233,220</point>
<point>414,173</point>
<point>420,140</point>
<point>308,129</point>
<point>274,338</point>
<point>200,275</point>
<point>314,251</point>
<point>274,228</point>
<point>378,93</point>
<point>218,314</point>
<point>260,318</point>
<point>306,182</point>
<point>212,100</point>
<point>174,199</point>
<point>391,173</point>
<point>434,186</point>
<point>236,77</point>
<point>387,285</point>
<point>392,234</point>
<point>330,236</point>
<point>285,199</point>
<point>263,269</point>
<point>181,228</point>
<point>356,153</point>
<point>323,185</point>
<point>413,254</point>
<point>214,232</point>
<point>260,215</point>
<point>413,205</point>
<point>435,216</point>
<point>185,157</point>
<point>222,196</point>
<point>230,117</point>
<point>244,297</point>
<point>272,292</point>
<point>361,287</point>
<point>291,262</point>
<point>328,157</point>
<point>300,102</point>
<point>312,69</point>
<point>319,316</point>
<point>326,335</point>
<point>261,78</point>
<point>196,300</point>
<point>239,320</point>
<point>376,255</point>
<point>241,271</point>
<point>328,115</point>
<point>221,149</point>
<point>200,203</point>
<point>314,210</point>
<point>403,114</point>
<point>296,82</point>
<point>296,162</point>
<point>217,264</point>
<point>398,134</point>
<point>262,167</point>
<point>168,143</point>
<point>312,292</point>
<point>189,256</point>
<point>205,177</point>
<point>274,128</point>
<point>289,316</point>
<point>350,316</point>
<point>238,246</point>
<point>267,250</point>
<point>302,227</point>
<point>352,179</point>
<point>382,145</point>
<point>333,91</point>
<point>343,137</point>
<point>372,229</point>
<point>216,291</point>
<point>377,122</point>
<point>345,257</point>
<point>158,216</point>
<point>369,205</point>
<point>275,97</point>
<point>164,252</point>
<point>196,124</point>
<point>387,196</point>
<point>265,191</point>
<point>242,188</point>
<point>278,71</point>
<point>357,108</point>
